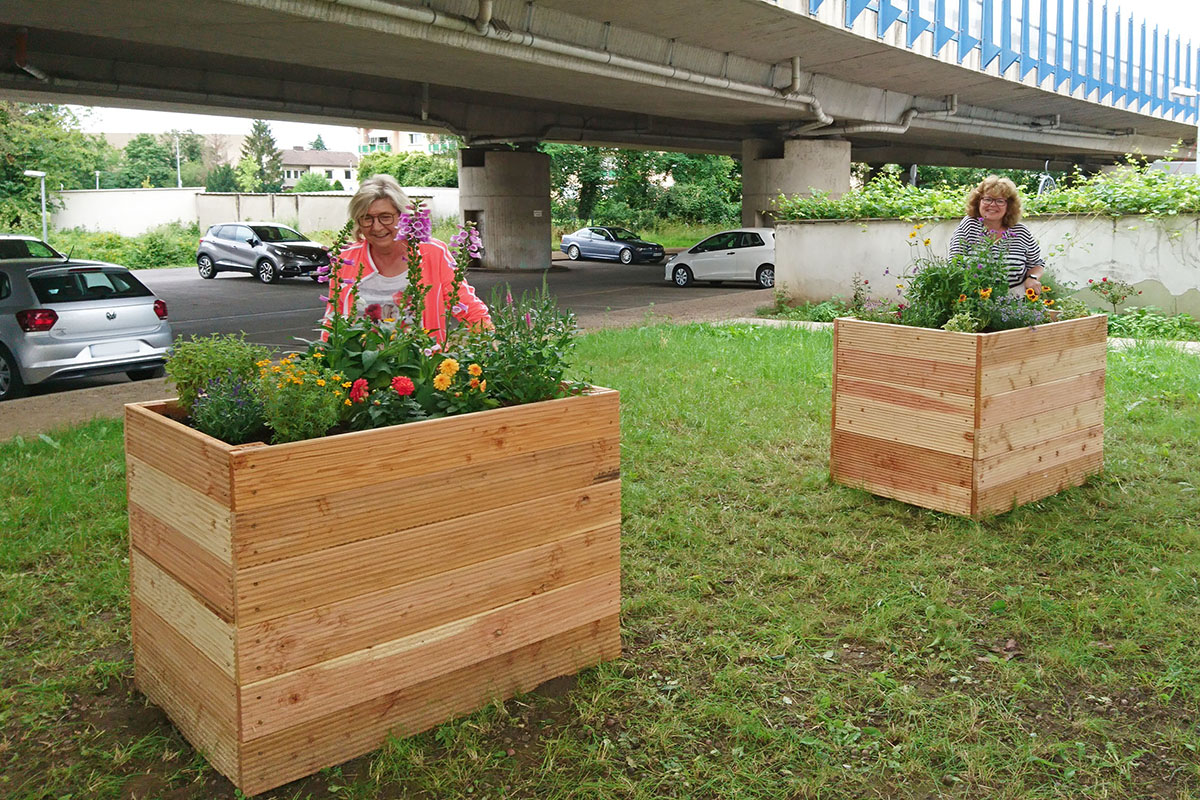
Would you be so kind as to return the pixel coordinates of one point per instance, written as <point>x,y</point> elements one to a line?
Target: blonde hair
<point>995,186</point>
<point>376,187</point>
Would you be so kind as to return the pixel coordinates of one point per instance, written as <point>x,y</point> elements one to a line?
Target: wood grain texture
<point>927,478</point>
<point>1023,373</point>
<point>1031,402</point>
<point>1037,485</point>
<point>196,516</point>
<point>1015,434</point>
<point>951,433</point>
<point>882,338</point>
<point>210,579</point>
<point>197,461</point>
<point>300,750</point>
<point>1025,343</point>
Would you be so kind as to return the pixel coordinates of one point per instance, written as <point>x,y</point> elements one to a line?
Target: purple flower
<point>322,270</point>
<point>322,279</point>
<point>507,297</point>
<point>458,308</point>
<point>528,320</point>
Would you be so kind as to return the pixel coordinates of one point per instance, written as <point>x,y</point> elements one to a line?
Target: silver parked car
<point>63,318</point>
<point>268,250</point>
<point>746,254</point>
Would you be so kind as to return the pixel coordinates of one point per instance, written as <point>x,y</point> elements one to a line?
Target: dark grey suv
<point>268,250</point>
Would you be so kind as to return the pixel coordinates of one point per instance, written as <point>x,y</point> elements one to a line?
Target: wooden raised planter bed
<point>968,423</point>
<point>295,604</point>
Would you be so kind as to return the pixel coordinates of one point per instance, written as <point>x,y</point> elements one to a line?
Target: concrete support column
<point>507,193</point>
<point>794,166</point>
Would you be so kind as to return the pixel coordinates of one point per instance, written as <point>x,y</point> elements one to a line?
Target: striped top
<point>1021,249</point>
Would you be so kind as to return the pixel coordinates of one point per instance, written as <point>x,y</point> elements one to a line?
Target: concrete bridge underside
<point>748,78</point>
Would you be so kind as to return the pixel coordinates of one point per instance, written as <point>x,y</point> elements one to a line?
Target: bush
<point>194,362</point>
<point>1153,323</point>
<point>229,409</point>
<point>301,398</point>
<point>530,349</point>
<point>169,245</point>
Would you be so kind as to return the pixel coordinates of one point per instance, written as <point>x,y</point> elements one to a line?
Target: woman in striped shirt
<point>994,213</point>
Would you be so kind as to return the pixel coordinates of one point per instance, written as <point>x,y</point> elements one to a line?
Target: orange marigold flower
<point>474,383</point>
<point>483,386</point>
<point>475,370</point>
<point>318,354</point>
<point>448,367</point>
<point>320,381</point>
<point>962,298</point>
<point>441,382</point>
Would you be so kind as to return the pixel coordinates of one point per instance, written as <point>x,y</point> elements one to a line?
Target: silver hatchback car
<point>62,318</point>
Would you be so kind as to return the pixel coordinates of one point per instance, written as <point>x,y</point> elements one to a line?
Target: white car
<point>744,254</point>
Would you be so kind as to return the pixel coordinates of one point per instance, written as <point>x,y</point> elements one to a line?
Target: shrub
<point>229,409</point>
<point>530,349</point>
<point>301,398</point>
<point>194,362</point>
<point>1152,323</point>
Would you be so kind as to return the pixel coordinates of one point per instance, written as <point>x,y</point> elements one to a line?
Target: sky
<point>1181,17</point>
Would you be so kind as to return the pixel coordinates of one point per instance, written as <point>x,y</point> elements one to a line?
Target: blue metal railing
<point>1080,44</point>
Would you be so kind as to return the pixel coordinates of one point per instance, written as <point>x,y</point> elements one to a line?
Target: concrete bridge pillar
<point>792,166</point>
<point>507,193</point>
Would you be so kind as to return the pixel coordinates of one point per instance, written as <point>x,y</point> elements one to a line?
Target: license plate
<point>113,349</point>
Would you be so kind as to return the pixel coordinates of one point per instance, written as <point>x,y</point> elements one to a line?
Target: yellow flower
<point>276,369</point>
<point>912,235</point>
<point>1030,293</point>
<point>920,225</point>
<point>1045,290</point>
<point>320,381</point>
<point>318,354</point>
<point>336,393</point>
<point>962,298</point>
<point>441,382</point>
<point>475,370</point>
<point>1048,302</point>
<point>927,242</point>
<point>346,401</point>
<point>266,362</point>
<point>985,293</point>
<point>347,384</point>
<point>448,367</point>
<point>899,285</point>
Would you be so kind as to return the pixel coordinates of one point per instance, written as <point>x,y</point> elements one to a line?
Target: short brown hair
<point>376,187</point>
<point>995,186</point>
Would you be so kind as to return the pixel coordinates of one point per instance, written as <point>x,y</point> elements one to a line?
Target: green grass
<point>666,233</point>
<point>783,636</point>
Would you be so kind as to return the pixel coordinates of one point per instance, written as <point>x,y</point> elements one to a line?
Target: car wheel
<point>266,272</point>
<point>11,384</point>
<point>681,276</point>
<point>765,276</point>
<point>573,253</point>
<point>626,256</point>
<point>208,270</point>
<point>145,373</point>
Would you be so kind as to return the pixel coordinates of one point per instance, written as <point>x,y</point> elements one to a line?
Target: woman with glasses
<point>994,212</point>
<point>375,209</point>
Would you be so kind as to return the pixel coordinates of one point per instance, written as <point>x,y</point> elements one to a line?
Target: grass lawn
<point>784,637</point>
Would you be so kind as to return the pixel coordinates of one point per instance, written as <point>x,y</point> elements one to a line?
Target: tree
<point>317,143</point>
<point>411,169</point>
<point>312,182</point>
<point>262,157</point>
<point>577,177</point>
<point>221,179</point>
<point>146,162</point>
<point>46,138</point>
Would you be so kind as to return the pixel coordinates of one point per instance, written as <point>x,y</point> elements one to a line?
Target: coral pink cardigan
<point>437,272</point>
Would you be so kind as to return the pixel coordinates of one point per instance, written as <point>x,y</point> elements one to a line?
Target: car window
<point>722,241</point>
<point>624,235</point>
<point>26,248</point>
<point>86,284</point>
<point>242,232</point>
<point>277,233</point>
<point>5,286</point>
<point>750,239</point>
<point>600,233</point>
<point>582,233</point>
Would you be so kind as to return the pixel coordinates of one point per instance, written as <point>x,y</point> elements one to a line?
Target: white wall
<point>817,259</point>
<point>129,212</point>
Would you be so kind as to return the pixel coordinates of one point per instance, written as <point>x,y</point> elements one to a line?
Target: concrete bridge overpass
<point>796,88</point>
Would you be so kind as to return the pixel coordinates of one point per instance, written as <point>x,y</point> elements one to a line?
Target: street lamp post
<point>33,173</point>
<point>1187,91</point>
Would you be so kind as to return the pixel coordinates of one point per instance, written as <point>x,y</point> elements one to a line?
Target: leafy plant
<point>1152,323</point>
<point>229,408</point>
<point>530,349</point>
<point>302,399</point>
<point>1114,291</point>
<point>196,361</point>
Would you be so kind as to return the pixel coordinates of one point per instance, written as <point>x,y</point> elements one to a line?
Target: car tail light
<point>160,308</point>
<point>37,319</point>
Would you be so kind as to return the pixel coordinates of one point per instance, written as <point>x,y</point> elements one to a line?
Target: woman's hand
<point>1033,283</point>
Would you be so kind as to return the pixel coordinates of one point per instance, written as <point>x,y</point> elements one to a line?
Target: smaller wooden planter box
<point>968,423</point>
<point>295,604</point>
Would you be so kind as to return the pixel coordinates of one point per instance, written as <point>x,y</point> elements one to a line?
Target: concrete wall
<point>795,166</point>
<point>129,212</point>
<point>508,193</point>
<point>817,259</point>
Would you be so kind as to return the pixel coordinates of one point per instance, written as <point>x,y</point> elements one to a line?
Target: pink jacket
<point>437,272</point>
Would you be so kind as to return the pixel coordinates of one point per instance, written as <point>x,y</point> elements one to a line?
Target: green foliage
<point>411,169</point>
<point>46,138</point>
<point>1114,290</point>
<point>317,143</point>
<point>1152,323</point>
<point>146,162</point>
<point>301,399</point>
<point>194,362</point>
<point>221,178</point>
<point>577,177</point>
<point>531,348</point>
<point>261,166</point>
<point>312,182</point>
<point>391,405</point>
<point>168,245</point>
<point>228,408</point>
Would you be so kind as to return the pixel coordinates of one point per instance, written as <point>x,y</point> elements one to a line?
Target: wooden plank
<point>180,557</point>
<point>1030,487</point>
<point>308,694</point>
<point>1015,434</point>
<point>931,430</point>
<point>303,582</point>
<point>289,643</point>
<point>923,477</point>
<point>268,475</point>
<point>885,339</point>
<point>199,697</point>
<point>1046,368</point>
<point>190,457</point>
<point>907,370</point>
<point>198,517</point>
<point>1038,457</point>
<point>270,761</point>
<point>1014,345</point>
<point>1036,400</point>
<point>327,518</point>
<point>170,600</point>
<point>908,397</point>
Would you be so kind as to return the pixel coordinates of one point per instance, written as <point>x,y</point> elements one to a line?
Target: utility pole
<point>178,173</point>
<point>97,179</point>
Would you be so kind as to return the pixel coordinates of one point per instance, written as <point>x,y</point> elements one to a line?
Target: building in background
<point>374,140</point>
<point>335,165</point>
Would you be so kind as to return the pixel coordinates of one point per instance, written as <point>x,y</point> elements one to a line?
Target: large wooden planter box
<point>294,604</point>
<point>968,423</point>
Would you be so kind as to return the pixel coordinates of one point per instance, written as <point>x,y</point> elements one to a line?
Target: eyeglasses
<point>367,220</point>
<point>997,201</point>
